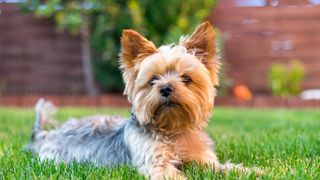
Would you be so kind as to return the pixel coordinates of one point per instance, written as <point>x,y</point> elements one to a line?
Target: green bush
<point>161,21</point>
<point>285,80</point>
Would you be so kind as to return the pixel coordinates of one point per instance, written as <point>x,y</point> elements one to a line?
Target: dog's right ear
<point>134,47</point>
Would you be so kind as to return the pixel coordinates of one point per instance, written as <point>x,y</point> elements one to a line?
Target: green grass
<point>284,143</point>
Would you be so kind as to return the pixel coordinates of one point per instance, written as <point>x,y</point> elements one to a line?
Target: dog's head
<point>171,87</point>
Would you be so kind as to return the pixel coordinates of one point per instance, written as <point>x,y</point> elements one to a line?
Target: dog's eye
<point>186,79</point>
<point>154,78</point>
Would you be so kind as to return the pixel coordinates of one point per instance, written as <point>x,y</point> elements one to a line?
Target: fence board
<point>35,57</point>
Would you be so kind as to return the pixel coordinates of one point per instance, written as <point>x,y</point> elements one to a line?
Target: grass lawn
<point>284,143</point>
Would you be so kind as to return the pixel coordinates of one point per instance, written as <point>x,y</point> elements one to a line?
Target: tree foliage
<point>161,21</point>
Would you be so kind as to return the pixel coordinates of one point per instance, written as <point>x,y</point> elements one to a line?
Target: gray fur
<point>91,139</point>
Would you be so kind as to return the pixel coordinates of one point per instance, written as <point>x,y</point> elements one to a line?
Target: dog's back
<point>98,139</point>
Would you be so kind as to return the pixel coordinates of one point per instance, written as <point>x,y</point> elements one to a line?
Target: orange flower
<point>242,92</point>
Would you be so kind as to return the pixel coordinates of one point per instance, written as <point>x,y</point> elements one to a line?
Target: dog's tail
<point>44,111</point>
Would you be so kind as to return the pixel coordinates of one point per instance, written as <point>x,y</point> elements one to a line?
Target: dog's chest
<point>190,146</point>
<point>147,150</point>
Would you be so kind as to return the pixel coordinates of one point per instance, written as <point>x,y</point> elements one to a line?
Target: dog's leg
<point>166,171</point>
<point>164,165</point>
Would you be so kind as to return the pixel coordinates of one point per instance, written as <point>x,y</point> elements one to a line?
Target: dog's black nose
<point>165,91</point>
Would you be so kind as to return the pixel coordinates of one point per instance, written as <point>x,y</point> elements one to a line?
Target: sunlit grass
<point>284,143</point>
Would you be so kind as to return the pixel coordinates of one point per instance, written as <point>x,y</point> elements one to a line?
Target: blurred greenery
<point>161,21</point>
<point>285,80</point>
<point>225,82</point>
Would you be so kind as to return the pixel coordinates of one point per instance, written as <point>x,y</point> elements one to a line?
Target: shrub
<point>285,80</point>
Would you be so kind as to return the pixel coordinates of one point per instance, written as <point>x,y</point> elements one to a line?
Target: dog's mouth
<point>166,105</point>
<point>171,116</point>
<point>170,104</point>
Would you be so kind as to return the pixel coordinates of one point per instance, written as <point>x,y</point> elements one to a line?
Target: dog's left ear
<point>202,44</point>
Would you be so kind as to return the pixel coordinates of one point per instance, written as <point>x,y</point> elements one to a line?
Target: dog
<point>172,91</point>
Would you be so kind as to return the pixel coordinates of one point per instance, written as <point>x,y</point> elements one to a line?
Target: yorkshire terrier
<point>172,90</point>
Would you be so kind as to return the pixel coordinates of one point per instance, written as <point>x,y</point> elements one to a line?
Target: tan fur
<point>202,44</point>
<point>178,129</point>
<point>134,48</point>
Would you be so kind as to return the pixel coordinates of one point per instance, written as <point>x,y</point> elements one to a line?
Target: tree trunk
<point>86,58</point>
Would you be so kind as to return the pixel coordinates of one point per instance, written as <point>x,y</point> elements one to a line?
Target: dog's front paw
<point>254,170</point>
<point>239,168</point>
<point>179,176</point>
<point>258,171</point>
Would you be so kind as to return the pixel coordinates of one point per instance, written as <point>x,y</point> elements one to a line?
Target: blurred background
<point>67,50</point>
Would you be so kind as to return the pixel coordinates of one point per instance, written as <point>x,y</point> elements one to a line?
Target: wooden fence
<point>256,37</point>
<point>35,58</point>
